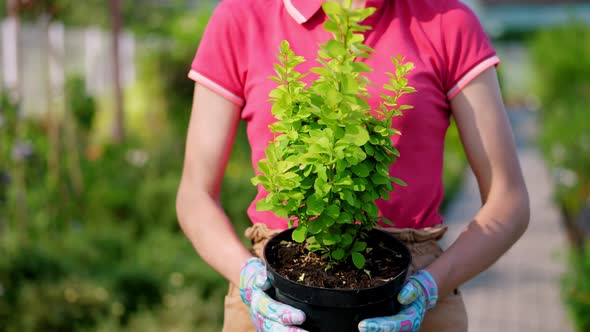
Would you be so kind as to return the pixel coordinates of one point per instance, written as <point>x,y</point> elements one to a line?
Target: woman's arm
<point>211,133</point>
<point>489,145</point>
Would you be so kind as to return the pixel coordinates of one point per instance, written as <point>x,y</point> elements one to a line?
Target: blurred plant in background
<point>561,57</point>
<point>454,166</point>
<point>99,249</point>
<point>564,90</point>
<point>576,288</point>
<point>88,233</point>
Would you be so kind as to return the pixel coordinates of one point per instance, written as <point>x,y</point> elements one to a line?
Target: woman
<point>454,75</point>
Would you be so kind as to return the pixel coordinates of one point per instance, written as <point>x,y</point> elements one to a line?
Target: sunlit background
<point>94,104</point>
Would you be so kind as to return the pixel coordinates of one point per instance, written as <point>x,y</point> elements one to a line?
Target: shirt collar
<point>302,10</point>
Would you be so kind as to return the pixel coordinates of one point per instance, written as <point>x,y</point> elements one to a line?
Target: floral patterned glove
<point>419,294</point>
<point>267,314</point>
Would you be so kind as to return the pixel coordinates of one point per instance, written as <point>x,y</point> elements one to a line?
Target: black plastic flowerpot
<point>338,310</point>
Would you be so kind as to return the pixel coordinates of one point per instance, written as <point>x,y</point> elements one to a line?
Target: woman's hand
<point>266,314</point>
<point>419,294</point>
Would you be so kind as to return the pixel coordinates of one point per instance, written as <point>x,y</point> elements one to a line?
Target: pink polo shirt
<point>443,38</point>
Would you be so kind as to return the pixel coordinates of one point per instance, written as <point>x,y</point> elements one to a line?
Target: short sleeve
<point>219,60</point>
<point>468,49</point>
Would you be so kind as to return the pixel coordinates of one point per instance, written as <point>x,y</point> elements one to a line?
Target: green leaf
<point>360,14</point>
<point>279,127</point>
<point>349,85</point>
<point>344,218</point>
<point>330,239</point>
<point>338,254</point>
<point>299,234</point>
<point>358,260</point>
<point>315,226</point>
<point>360,184</point>
<point>346,239</point>
<point>321,170</point>
<point>255,180</point>
<point>399,181</point>
<point>322,187</point>
<point>381,130</point>
<point>313,247</point>
<point>356,134</point>
<point>371,208</point>
<point>333,211</point>
<point>349,197</point>
<point>332,98</point>
<point>382,169</point>
<point>384,193</point>
<point>343,181</point>
<point>280,70</point>
<point>310,158</point>
<point>379,156</point>
<point>361,170</point>
<point>368,196</point>
<point>359,246</point>
<point>276,79</point>
<point>264,205</point>
<point>389,186</point>
<point>366,48</point>
<point>379,179</point>
<point>341,165</point>
<point>307,182</point>
<point>332,7</point>
<point>363,55</point>
<point>285,47</point>
<point>387,221</point>
<point>262,179</point>
<point>329,221</point>
<point>296,61</point>
<point>361,67</point>
<point>331,26</point>
<point>315,205</point>
<point>281,212</point>
<point>334,48</point>
<point>320,71</point>
<point>355,155</point>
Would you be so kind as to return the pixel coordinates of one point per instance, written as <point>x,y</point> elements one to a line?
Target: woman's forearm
<point>499,224</point>
<point>490,148</point>
<point>211,233</point>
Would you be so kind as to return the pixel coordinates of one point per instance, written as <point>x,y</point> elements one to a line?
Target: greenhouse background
<point>94,107</point>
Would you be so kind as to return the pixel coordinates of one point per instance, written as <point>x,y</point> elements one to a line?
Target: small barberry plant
<point>330,158</point>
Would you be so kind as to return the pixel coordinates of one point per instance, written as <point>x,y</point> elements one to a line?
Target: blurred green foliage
<point>576,288</point>
<point>561,57</point>
<point>454,166</point>
<point>81,105</point>
<point>109,256</point>
<point>143,17</point>
<point>82,277</point>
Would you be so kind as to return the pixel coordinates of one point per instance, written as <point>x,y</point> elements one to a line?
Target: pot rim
<point>341,290</point>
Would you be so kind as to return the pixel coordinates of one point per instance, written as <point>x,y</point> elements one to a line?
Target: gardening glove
<point>267,314</point>
<point>418,294</point>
